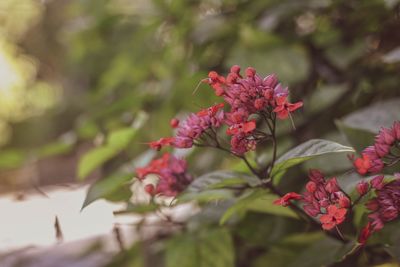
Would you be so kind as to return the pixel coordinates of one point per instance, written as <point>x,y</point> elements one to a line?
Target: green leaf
<point>133,257</point>
<point>305,250</point>
<point>256,200</point>
<point>358,138</point>
<point>104,187</point>
<point>116,142</point>
<point>119,139</point>
<point>206,196</point>
<point>93,159</point>
<point>207,248</point>
<point>308,150</point>
<point>218,179</point>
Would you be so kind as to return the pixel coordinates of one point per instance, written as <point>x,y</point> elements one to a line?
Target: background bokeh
<point>85,84</point>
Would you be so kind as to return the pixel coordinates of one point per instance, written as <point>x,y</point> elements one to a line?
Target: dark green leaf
<point>306,151</point>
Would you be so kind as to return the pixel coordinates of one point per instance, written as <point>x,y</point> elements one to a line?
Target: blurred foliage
<point>97,79</point>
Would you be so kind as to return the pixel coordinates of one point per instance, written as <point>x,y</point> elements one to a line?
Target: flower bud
<point>311,187</point>
<point>388,136</point>
<point>250,72</point>
<point>362,188</point>
<point>396,129</point>
<point>344,202</point>
<point>316,176</point>
<point>377,182</point>
<point>174,123</point>
<point>235,69</point>
<point>332,185</point>
<point>372,205</point>
<point>270,81</point>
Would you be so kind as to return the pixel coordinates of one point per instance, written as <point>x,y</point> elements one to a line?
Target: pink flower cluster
<point>196,124</point>
<point>248,97</point>
<point>171,172</point>
<point>324,198</point>
<point>372,158</point>
<point>384,207</point>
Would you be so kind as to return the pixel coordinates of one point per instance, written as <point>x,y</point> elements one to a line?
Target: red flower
<point>284,201</point>
<point>211,111</point>
<point>246,127</point>
<point>283,107</point>
<point>334,217</point>
<point>362,164</point>
<point>160,143</point>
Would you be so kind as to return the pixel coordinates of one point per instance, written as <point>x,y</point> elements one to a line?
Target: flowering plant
<point>243,125</point>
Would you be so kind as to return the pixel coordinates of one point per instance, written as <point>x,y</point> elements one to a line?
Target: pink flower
<point>333,217</point>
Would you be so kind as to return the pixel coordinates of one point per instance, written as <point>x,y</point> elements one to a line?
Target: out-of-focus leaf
<point>288,62</point>
<point>104,187</point>
<point>392,56</point>
<point>207,248</point>
<point>256,200</point>
<point>305,250</point>
<point>119,139</point>
<point>221,178</point>
<point>306,151</point>
<point>372,118</point>
<point>361,126</point>
<point>322,97</point>
<point>116,142</point>
<point>207,195</point>
<point>56,148</point>
<point>93,159</point>
<point>11,158</point>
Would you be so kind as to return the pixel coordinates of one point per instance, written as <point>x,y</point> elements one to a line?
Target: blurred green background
<point>84,84</point>
<point>94,80</point>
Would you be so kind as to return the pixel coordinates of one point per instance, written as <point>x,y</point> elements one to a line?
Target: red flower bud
<point>362,188</point>
<point>311,187</point>
<point>174,123</point>
<point>365,233</point>
<point>235,69</point>
<point>332,185</point>
<point>250,72</point>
